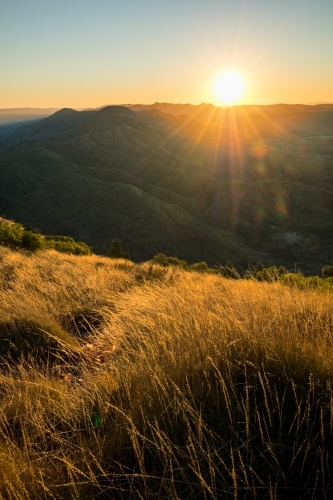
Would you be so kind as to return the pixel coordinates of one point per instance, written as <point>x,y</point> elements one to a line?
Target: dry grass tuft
<point>135,381</point>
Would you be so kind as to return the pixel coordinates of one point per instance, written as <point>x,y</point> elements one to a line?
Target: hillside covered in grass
<point>199,182</point>
<point>123,380</point>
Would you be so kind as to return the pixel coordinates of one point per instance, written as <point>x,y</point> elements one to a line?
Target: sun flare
<point>229,88</point>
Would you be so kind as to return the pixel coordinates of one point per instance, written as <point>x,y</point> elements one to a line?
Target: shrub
<point>268,274</point>
<point>200,266</point>
<point>76,248</point>
<point>10,234</point>
<point>164,260</point>
<point>116,250</point>
<point>66,244</point>
<point>32,241</point>
<point>228,271</point>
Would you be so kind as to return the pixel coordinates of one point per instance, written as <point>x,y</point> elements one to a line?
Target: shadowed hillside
<point>198,182</point>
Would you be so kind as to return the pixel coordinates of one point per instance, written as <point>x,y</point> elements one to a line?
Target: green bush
<point>72,248</point>
<point>200,266</point>
<point>164,260</point>
<point>269,274</point>
<point>116,250</point>
<point>32,241</point>
<point>10,234</point>
<point>66,244</point>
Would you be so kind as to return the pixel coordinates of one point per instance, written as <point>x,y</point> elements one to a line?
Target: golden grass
<point>160,383</point>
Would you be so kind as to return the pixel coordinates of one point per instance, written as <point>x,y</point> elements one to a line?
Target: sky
<point>88,53</point>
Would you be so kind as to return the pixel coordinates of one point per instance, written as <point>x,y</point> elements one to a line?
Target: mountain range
<point>245,183</point>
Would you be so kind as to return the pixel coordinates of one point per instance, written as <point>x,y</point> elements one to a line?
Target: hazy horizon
<point>40,110</point>
<point>80,54</point>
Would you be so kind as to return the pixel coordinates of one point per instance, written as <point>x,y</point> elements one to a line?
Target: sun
<point>229,88</point>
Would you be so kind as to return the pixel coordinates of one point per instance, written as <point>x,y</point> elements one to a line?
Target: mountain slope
<point>235,186</point>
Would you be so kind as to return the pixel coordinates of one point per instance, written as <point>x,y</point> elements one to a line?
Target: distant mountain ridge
<point>27,111</point>
<point>202,183</point>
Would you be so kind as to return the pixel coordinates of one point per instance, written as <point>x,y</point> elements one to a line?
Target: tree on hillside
<point>116,250</point>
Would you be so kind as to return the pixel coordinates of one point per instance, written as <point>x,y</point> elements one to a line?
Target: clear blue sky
<point>82,53</point>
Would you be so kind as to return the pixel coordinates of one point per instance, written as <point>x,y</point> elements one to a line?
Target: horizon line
<point>12,110</point>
